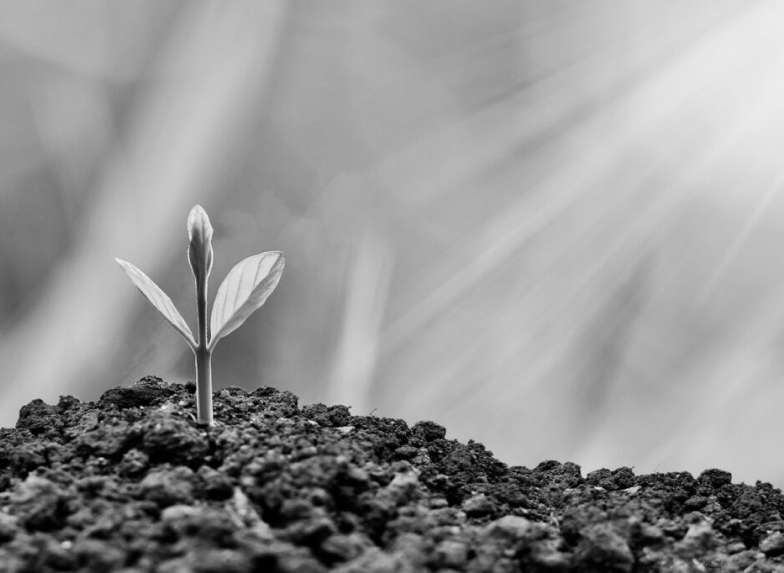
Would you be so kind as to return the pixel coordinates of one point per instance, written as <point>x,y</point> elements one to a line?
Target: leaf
<point>245,288</point>
<point>159,300</point>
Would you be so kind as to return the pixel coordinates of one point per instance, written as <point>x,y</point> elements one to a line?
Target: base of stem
<point>204,386</point>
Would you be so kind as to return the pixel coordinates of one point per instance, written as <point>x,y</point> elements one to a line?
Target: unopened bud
<point>200,246</point>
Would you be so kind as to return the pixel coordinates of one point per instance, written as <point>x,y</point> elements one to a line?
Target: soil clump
<point>131,483</point>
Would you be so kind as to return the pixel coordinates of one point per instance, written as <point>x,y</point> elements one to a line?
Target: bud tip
<point>198,221</point>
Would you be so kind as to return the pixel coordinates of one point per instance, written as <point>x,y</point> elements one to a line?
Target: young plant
<point>246,287</point>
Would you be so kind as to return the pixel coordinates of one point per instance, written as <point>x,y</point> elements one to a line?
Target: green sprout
<point>246,287</point>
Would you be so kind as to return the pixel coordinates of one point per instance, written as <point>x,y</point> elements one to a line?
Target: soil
<point>131,483</point>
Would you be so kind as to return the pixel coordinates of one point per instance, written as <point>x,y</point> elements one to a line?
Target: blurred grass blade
<point>245,288</point>
<point>159,299</point>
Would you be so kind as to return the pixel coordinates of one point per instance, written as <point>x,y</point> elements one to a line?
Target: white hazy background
<point>555,227</point>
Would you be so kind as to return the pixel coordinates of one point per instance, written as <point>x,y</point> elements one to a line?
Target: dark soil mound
<point>131,483</point>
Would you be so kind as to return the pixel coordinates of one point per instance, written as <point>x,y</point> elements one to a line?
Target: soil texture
<point>131,483</point>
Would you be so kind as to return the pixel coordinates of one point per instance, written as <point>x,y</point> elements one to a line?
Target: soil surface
<point>131,483</point>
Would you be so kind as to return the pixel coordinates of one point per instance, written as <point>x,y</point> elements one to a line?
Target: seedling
<point>246,287</point>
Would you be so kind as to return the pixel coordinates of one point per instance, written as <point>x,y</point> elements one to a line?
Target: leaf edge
<point>184,330</point>
<point>276,269</point>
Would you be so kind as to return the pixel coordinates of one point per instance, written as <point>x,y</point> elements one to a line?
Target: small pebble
<point>602,546</point>
<point>450,553</point>
<point>773,544</point>
<point>478,505</point>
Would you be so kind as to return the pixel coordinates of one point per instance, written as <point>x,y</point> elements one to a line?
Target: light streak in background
<point>627,172</point>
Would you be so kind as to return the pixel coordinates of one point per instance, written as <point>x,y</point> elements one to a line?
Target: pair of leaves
<point>247,286</point>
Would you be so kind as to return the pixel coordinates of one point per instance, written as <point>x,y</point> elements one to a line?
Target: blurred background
<point>555,227</point>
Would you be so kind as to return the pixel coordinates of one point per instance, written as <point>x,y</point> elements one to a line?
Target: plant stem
<point>203,358</point>
<point>203,385</point>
